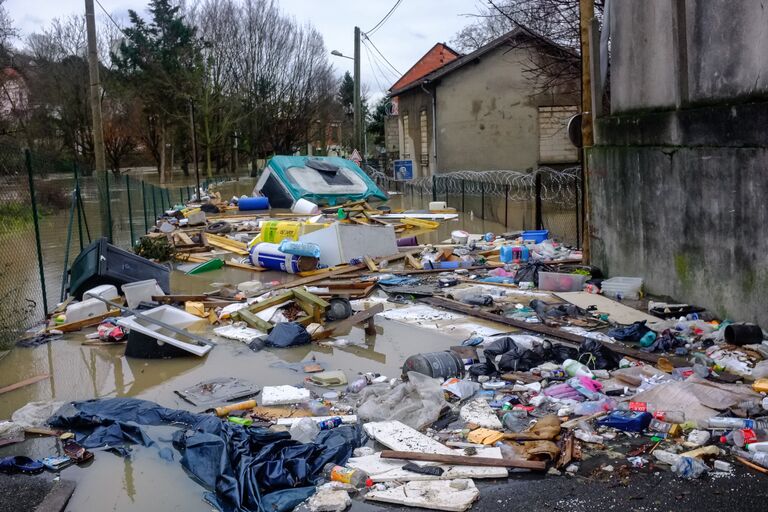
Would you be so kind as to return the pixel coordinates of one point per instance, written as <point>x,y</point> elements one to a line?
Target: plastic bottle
<point>759,458</point>
<point>575,368</point>
<point>587,408</point>
<point>669,416</point>
<point>357,385</point>
<point>289,246</point>
<point>761,447</point>
<point>305,430</point>
<point>330,423</point>
<point>727,438</point>
<point>356,477</point>
<point>505,254</point>
<point>648,339</point>
<point>747,436</point>
<point>666,457</point>
<point>516,420</point>
<point>730,423</point>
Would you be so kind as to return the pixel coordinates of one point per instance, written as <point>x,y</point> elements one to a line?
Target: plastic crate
<point>537,236</point>
<point>623,287</point>
<point>557,282</point>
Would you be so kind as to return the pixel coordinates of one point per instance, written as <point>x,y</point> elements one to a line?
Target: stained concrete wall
<point>678,175</point>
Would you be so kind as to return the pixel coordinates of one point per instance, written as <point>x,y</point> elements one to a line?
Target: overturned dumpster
<point>321,180</point>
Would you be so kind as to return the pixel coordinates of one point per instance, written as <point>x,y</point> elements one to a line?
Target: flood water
<point>77,372</point>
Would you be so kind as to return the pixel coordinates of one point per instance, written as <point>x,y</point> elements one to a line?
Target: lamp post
<point>358,124</point>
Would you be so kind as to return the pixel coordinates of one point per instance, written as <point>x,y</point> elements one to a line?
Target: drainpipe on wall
<point>434,121</point>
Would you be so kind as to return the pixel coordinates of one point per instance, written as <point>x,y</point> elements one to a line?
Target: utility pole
<point>357,104</point>
<point>194,146</point>
<point>97,128</point>
<point>586,14</point>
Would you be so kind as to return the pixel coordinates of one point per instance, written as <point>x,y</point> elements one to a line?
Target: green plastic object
<point>246,422</point>
<point>206,266</point>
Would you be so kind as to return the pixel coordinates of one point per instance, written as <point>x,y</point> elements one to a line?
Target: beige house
<point>491,109</point>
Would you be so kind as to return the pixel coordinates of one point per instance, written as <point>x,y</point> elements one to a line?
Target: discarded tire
<point>220,227</point>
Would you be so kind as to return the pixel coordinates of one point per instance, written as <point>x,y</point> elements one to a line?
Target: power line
<point>385,18</point>
<point>373,72</point>
<point>386,73</point>
<point>382,56</point>
<point>111,18</point>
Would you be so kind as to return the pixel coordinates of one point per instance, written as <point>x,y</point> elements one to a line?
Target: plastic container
<point>624,287</point>
<point>628,421</point>
<point>140,291</point>
<point>356,477</point>
<point>743,334</point>
<point>304,207</point>
<point>269,256</point>
<point>747,436</point>
<point>505,254</point>
<point>537,236</point>
<point>152,335</point>
<point>299,248</point>
<point>103,263</point>
<point>593,407</point>
<point>574,368</point>
<point>730,423</point>
<point>253,203</point>
<point>760,385</point>
<point>85,309</point>
<point>442,365</point>
<point>305,430</point>
<point>105,291</point>
<point>558,282</point>
<point>357,385</point>
<point>760,447</point>
<point>760,458</point>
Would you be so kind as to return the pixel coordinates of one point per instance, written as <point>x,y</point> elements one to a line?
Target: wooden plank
<point>25,382</point>
<point>618,312</point>
<point>370,264</point>
<point>464,460</point>
<point>304,295</point>
<point>562,336</point>
<point>252,320</point>
<point>86,322</point>
<point>412,261</point>
<point>272,301</point>
<point>99,343</point>
<point>228,244</point>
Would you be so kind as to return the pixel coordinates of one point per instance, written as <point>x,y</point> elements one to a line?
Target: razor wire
<point>562,187</point>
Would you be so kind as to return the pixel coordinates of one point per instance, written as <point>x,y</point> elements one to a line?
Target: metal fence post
<point>168,198</point>
<point>181,196</point>
<point>462,195</point>
<point>506,205</point>
<point>79,211</point>
<point>154,204</point>
<point>189,194</point>
<point>577,210</point>
<point>482,200</point>
<point>109,206</point>
<point>28,160</point>
<point>144,206</point>
<point>539,222</point>
<point>130,208</point>
<point>434,187</point>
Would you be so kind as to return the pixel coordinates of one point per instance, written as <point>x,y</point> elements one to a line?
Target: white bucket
<point>304,207</point>
<point>438,205</point>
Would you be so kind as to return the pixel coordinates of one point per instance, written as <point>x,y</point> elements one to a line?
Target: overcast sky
<point>414,27</point>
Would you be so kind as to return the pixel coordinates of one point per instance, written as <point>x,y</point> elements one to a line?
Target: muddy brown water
<point>77,372</point>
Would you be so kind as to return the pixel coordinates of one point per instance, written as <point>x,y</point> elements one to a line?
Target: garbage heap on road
<point>559,365</point>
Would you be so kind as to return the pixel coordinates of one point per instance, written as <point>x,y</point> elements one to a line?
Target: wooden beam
<point>554,332</point>
<point>86,322</point>
<point>25,382</point>
<point>304,295</point>
<point>348,323</point>
<point>463,460</point>
<point>370,264</point>
<point>253,320</point>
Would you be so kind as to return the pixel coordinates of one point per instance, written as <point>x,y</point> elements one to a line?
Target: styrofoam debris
<point>283,395</point>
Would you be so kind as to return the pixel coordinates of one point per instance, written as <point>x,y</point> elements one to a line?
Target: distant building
<point>485,110</point>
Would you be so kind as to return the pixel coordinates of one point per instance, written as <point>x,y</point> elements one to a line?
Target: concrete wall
<point>411,104</point>
<point>678,174</point>
<point>668,53</point>
<point>487,114</point>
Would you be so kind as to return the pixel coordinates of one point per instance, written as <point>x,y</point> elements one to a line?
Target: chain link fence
<point>540,199</point>
<point>50,211</point>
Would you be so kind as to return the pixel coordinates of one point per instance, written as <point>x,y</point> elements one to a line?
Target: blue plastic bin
<point>537,236</point>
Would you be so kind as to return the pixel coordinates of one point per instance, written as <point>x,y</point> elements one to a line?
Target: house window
<point>424,137</point>
<point>406,138</point>
<point>554,145</point>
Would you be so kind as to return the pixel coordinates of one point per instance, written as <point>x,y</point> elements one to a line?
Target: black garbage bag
<point>517,361</point>
<point>530,272</point>
<point>247,469</point>
<point>597,356</point>
<point>288,334</point>
<point>631,333</point>
<point>559,353</point>
<point>545,309</point>
<point>476,370</point>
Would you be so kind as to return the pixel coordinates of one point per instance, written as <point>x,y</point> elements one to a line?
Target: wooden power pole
<point>97,128</point>
<point>357,103</point>
<point>586,13</point>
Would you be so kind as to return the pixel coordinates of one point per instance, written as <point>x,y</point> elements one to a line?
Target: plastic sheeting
<point>247,469</point>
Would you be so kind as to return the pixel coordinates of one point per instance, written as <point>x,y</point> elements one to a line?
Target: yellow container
<point>275,231</point>
<point>760,385</point>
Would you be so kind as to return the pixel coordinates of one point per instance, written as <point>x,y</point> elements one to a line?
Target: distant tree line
<point>259,82</point>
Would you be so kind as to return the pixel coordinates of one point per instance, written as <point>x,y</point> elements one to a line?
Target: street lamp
<point>356,95</point>
<point>337,53</point>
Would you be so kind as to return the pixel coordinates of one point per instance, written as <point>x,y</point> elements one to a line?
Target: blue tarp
<point>247,469</point>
